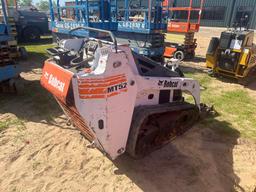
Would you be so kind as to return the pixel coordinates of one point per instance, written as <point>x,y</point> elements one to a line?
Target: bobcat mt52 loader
<point>119,100</point>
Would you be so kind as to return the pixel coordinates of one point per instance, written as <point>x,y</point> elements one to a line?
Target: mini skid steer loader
<point>119,100</point>
<point>233,55</point>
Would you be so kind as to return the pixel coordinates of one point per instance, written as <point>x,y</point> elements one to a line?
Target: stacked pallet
<point>13,45</point>
<point>8,47</point>
<point>13,28</point>
<point>5,58</point>
<point>13,49</point>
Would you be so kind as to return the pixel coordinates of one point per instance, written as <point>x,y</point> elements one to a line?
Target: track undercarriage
<point>154,126</point>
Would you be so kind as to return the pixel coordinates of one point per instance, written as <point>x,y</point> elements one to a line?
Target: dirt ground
<point>38,152</point>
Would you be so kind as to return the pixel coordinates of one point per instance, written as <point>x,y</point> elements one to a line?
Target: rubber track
<point>142,112</point>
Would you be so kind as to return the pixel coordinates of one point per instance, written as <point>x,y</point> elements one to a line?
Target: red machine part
<point>56,80</point>
<point>169,51</point>
<point>182,27</point>
<point>188,25</point>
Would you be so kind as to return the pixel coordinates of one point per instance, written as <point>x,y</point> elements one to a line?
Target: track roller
<point>154,126</point>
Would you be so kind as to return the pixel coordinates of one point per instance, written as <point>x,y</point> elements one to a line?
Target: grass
<point>37,51</point>
<point>18,123</point>
<point>42,100</point>
<point>235,106</point>
<point>43,104</point>
<point>35,98</point>
<point>239,108</point>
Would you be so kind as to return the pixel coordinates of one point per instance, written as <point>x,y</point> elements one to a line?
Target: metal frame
<point>111,35</point>
<point>187,26</point>
<point>150,23</point>
<point>82,10</point>
<point>9,69</point>
<point>126,28</point>
<point>153,17</point>
<point>5,16</point>
<point>4,10</point>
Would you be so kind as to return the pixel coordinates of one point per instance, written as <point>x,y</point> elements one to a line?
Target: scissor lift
<point>142,27</point>
<point>9,68</point>
<point>179,40</point>
<point>100,14</point>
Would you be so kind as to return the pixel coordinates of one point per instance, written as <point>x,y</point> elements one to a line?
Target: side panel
<point>121,108</point>
<point>153,85</point>
<point>211,61</point>
<point>56,79</point>
<point>106,101</point>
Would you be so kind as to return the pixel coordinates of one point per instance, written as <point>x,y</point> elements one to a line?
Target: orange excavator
<point>183,23</point>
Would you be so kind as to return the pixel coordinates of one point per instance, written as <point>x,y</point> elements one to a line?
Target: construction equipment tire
<point>180,55</point>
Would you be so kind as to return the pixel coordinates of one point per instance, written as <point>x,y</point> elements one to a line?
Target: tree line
<point>42,5</point>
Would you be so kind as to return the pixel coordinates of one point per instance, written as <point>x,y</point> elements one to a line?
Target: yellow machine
<point>233,55</point>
